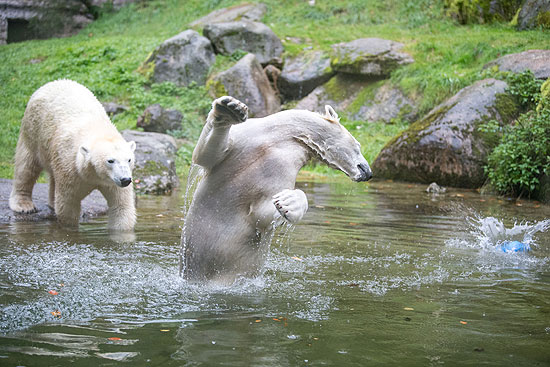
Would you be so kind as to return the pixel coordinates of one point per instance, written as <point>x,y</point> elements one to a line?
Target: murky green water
<point>377,274</point>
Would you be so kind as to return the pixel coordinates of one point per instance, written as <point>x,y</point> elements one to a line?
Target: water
<point>375,274</point>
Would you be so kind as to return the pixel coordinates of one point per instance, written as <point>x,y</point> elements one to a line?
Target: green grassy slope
<point>106,55</point>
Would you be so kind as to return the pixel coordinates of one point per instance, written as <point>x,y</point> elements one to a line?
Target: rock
<point>374,57</point>
<point>182,59</point>
<point>435,189</point>
<point>481,11</point>
<point>155,170</point>
<point>159,120</point>
<point>247,82</point>
<point>339,92</point>
<point>93,205</point>
<point>113,108</point>
<point>115,4</point>
<point>38,19</point>
<point>3,29</point>
<point>534,13</point>
<point>246,11</point>
<point>538,61</point>
<point>446,145</point>
<point>253,37</point>
<point>387,104</point>
<point>302,74</point>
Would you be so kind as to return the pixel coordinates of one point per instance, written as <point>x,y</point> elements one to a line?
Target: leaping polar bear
<point>248,189</point>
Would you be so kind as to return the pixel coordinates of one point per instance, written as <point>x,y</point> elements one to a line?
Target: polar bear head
<point>330,142</point>
<point>112,158</point>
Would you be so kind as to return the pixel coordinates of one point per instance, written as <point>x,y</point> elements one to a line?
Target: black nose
<point>366,173</point>
<point>125,181</point>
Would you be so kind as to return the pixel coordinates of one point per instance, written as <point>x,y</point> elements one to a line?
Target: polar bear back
<point>62,115</point>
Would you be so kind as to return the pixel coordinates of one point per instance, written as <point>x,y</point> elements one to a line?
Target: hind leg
<point>27,170</point>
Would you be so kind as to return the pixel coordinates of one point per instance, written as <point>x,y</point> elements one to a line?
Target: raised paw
<point>228,111</point>
<point>291,204</point>
<point>21,204</point>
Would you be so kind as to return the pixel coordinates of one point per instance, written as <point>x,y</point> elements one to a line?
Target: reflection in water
<point>380,273</point>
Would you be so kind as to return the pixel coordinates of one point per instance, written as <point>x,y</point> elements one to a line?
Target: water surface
<point>375,274</point>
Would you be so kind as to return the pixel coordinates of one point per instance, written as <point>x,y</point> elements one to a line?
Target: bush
<point>523,155</point>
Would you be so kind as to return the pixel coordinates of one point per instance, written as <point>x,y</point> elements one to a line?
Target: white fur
<point>251,168</point>
<point>66,132</point>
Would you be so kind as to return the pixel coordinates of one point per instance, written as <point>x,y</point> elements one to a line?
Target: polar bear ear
<point>331,114</point>
<point>85,151</point>
<point>132,145</point>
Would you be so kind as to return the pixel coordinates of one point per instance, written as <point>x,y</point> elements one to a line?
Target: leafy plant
<point>523,155</point>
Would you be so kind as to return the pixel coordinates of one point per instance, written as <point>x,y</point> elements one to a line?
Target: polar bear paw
<point>228,111</point>
<point>291,204</point>
<point>22,204</point>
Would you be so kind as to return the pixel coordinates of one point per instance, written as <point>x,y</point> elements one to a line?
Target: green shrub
<point>523,155</point>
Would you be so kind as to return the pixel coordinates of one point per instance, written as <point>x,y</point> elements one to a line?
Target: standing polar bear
<point>66,132</point>
<point>248,188</point>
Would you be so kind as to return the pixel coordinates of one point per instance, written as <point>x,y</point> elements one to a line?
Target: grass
<point>106,56</point>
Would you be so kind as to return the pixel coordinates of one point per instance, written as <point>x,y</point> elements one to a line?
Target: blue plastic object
<point>514,246</point>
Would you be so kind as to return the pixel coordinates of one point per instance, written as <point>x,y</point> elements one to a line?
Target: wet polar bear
<point>66,132</point>
<point>248,188</point>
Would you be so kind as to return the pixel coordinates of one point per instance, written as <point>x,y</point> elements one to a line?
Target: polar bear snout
<point>125,181</point>
<point>365,172</point>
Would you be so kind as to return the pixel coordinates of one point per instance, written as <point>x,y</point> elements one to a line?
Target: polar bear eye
<point>111,161</point>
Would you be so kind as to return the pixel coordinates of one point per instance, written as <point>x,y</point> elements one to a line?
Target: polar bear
<point>248,189</point>
<point>66,132</point>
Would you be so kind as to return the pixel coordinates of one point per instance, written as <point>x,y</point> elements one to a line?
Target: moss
<point>147,68</point>
<point>506,107</point>
<point>216,88</point>
<point>543,19</point>
<point>151,168</point>
<point>337,88</point>
<point>365,96</point>
<point>482,11</point>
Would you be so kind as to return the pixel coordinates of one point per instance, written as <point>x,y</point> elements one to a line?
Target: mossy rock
<point>446,146</point>
<point>534,14</point>
<point>482,11</point>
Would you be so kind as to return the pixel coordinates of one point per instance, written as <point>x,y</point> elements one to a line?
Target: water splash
<point>196,174</point>
<point>489,232</point>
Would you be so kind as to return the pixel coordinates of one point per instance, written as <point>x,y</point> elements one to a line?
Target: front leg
<point>291,204</point>
<point>122,208</point>
<point>214,141</point>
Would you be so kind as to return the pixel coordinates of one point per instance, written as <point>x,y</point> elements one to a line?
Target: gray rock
<point>534,13</point>
<point>113,108</point>
<point>435,189</point>
<point>93,205</point>
<point>155,170</point>
<point>246,11</point>
<point>302,74</point>
<point>3,29</point>
<point>339,92</point>
<point>388,103</point>
<point>253,37</point>
<point>160,120</point>
<point>373,57</point>
<point>446,146</point>
<point>182,59</point>
<point>247,82</point>
<point>538,61</point>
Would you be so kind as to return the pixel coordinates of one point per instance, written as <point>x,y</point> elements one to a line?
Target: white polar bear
<point>248,189</point>
<point>66,132</point>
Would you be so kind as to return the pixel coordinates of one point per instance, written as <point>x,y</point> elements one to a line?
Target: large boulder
<point>302,74</point>
<point>339,92</point>
<point>384,103</point>
<point>182,60</point>
<point>446,146</point>
<point>247,81</point>
<point>113,108</point>
<point>160,120</point>
<point>534,13</point>
<point>253,37</point>
<point>155,169</point>
<point>246,11</point>
<point>373,57</point>
<point>538,61</point>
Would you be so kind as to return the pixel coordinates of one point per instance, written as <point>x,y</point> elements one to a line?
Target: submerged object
<point>514,246</point>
